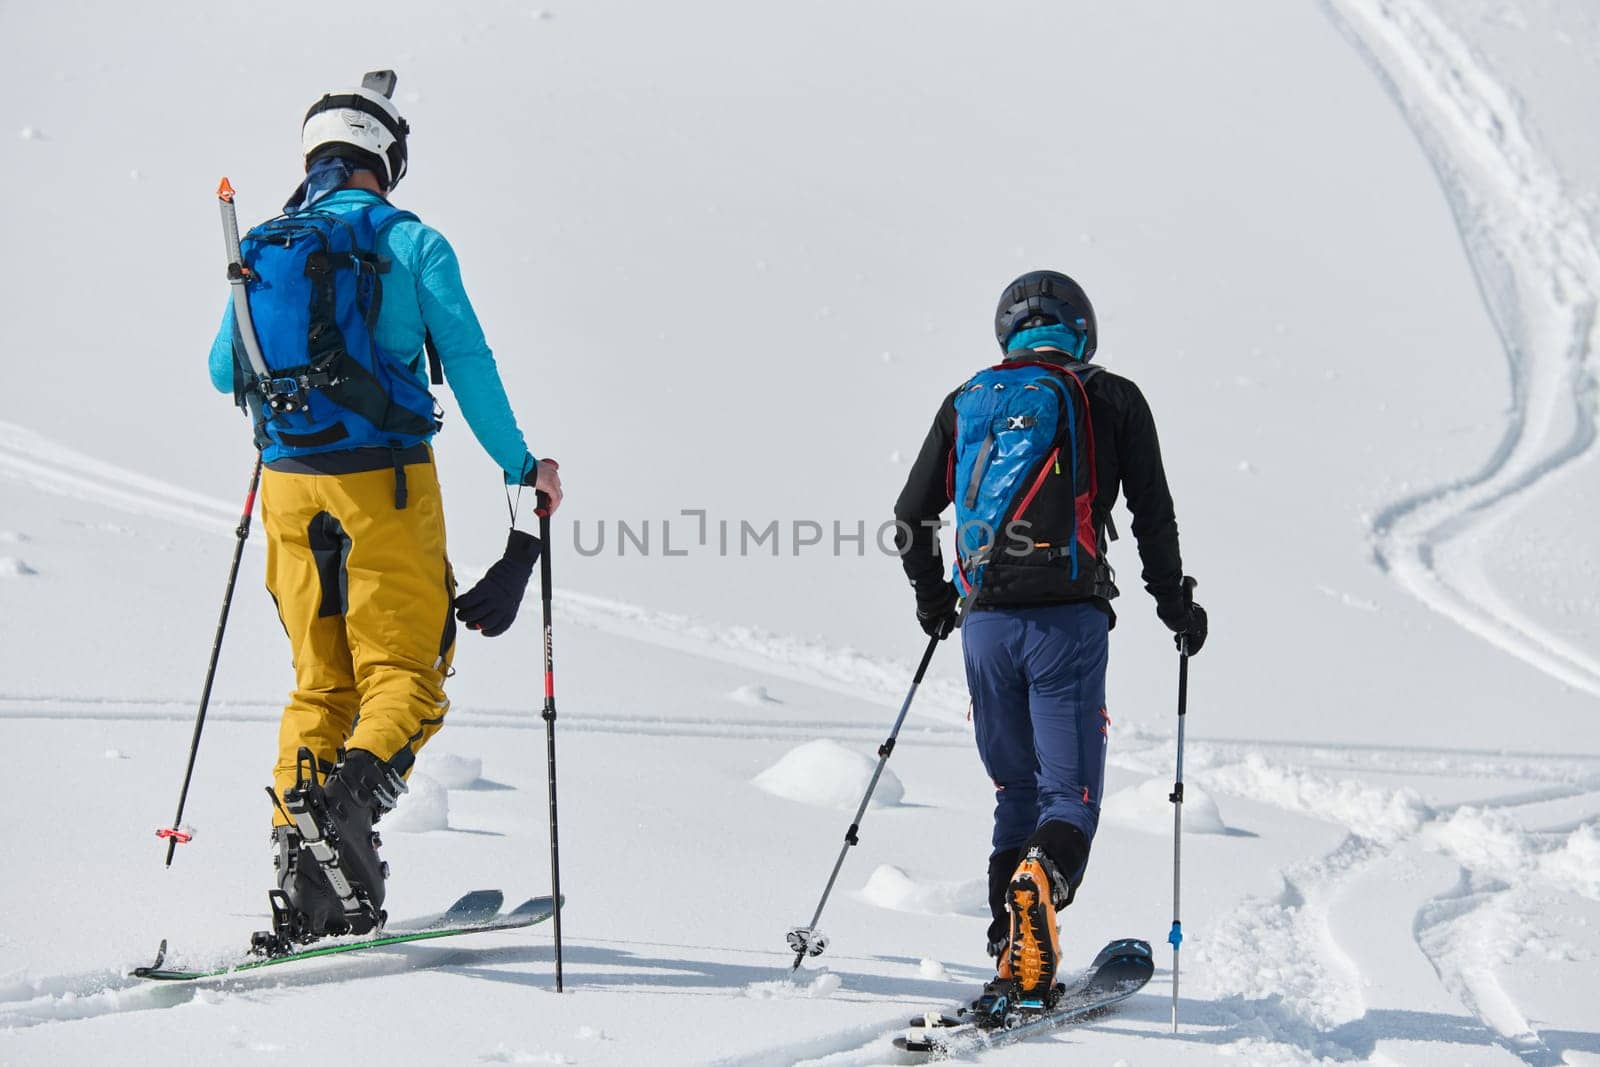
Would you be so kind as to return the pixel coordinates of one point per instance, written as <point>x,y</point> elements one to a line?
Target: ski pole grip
<point>542,499</point>
<point>1188,591</point>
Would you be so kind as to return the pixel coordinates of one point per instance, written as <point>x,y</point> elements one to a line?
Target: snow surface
<point>730,257</point>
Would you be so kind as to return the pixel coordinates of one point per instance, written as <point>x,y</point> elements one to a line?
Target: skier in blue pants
<point>1038,682</point>
<point>1033,452</point>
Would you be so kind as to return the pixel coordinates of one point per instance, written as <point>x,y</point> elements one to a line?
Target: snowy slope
<point>730,257</point>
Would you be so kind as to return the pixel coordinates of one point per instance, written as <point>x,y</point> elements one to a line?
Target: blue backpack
<point>1022,477</point>
<point>314,286</point>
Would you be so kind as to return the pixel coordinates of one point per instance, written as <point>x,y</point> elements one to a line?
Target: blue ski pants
<point>1037,676</point>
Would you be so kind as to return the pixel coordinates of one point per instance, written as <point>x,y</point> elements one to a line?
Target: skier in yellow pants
<point>364,591</point>
<point>336,304</point>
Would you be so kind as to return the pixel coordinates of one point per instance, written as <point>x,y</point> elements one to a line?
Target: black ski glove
<point>490,607</point>
<point>1187,621</point>
<point>937,612</point>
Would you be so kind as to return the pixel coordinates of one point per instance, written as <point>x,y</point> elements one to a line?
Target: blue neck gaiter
<point>325,175</point>
<point>1065,338</point>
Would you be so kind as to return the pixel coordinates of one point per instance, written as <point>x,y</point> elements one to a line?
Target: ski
<point>1120,970</point>
<point>476,913</point>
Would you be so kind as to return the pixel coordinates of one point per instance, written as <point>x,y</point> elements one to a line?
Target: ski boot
<point>1034,951</point>
<point>304,906</point>
<point>336,854</point>
<point>1025,974</point>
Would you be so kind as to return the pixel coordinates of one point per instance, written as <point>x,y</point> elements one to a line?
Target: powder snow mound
<point>755,696</point>
<point>1491,843</point>
<point>891,887</point>
<point>425,806</point>
<point>451,771</point>
<point>1576,863</point>
<point>1381,813</point>
<point>12,567</point>
<point>828,775</point>
<point>1148,807</point>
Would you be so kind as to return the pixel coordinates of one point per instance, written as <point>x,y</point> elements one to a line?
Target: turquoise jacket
<point>422,293</point>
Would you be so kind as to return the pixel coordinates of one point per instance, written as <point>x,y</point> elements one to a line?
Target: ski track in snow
<point>28,1002</point>
<point>1312,1003</point>
<point>1538,269</point>
<point>1459,931</point>
<point>43,464</point>
<point>470,716</point>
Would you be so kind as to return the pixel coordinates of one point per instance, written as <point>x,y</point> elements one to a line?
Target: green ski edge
<point>466,916</point>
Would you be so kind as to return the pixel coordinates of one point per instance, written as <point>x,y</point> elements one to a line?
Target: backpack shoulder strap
<point>384,215</point>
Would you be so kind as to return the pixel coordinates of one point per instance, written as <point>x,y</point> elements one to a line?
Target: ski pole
<point>805,940</point>
<point>550,727</point>
<point>1175,937</point>
<point>174,834</point>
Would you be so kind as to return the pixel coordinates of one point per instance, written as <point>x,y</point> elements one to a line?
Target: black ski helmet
<point>361,125</point>
<point>1045,294</point>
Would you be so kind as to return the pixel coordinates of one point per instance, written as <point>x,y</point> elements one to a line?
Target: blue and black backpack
<point>314,284</point>
<point>1022,477</point>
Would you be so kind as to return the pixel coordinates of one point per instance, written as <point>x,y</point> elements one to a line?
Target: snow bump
<point>892,888</point>
<point>755,696</point>
<point>451,771</point>
<point>1376,812</point>
<point>826,774</point>
<point>424,807</point>
<point>1148,807</point>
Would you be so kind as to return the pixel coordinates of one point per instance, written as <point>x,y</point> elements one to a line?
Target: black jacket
<point>1127,459</point>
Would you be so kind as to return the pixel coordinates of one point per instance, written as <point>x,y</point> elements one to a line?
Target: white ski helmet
<point>361,125</point>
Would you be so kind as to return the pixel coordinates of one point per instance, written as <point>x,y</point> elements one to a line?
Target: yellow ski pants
<point>364,590</point>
